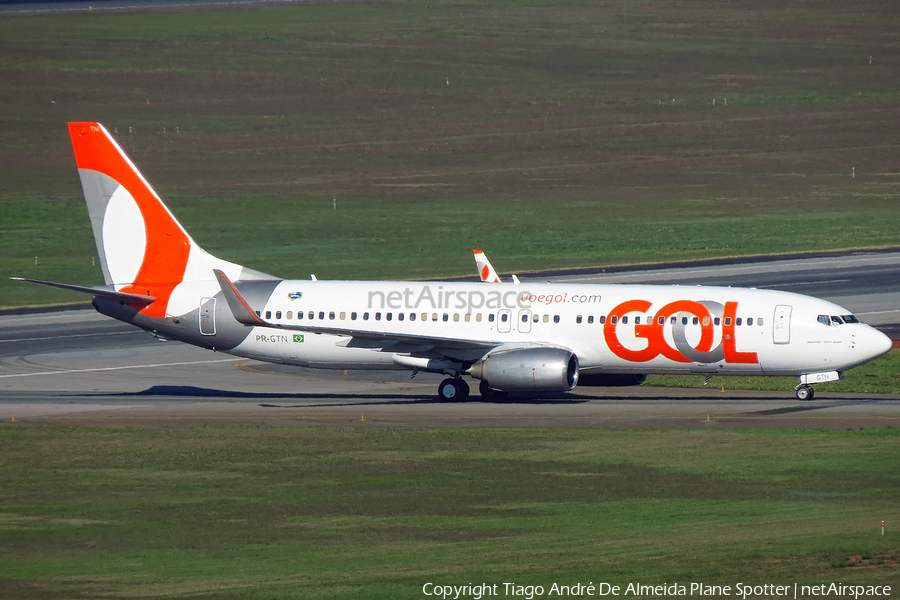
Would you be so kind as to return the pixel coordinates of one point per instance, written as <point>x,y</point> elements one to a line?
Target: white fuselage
<point>611,328</point>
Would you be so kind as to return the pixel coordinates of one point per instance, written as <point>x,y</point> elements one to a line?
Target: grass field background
<point>550,134</point>
<point>268,512</point>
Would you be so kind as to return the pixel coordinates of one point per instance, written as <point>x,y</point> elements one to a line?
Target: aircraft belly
<point>310,350</point>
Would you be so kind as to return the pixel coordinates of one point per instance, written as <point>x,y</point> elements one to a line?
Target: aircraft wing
<point>245,315</point>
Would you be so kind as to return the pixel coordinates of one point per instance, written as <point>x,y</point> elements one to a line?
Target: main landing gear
<point>804,392</point>
<point>489,393</point>
<point>453,390</point>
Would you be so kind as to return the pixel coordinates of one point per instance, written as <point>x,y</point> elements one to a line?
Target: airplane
<point>512,338</point>
<point>485,269</point>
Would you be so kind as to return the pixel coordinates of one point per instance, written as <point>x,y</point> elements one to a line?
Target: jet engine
<point>611,379</point>
<point>528,370</point>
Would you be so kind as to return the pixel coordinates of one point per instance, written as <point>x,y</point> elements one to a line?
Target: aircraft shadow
<point>189,391</point>
<point>388,399</point>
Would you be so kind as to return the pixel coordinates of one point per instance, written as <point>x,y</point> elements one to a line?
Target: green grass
<point>247,512</point>
<point>543,132</point>
<point>881,376</point>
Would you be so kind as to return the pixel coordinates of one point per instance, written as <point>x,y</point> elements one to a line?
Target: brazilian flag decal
<point>298,338</point>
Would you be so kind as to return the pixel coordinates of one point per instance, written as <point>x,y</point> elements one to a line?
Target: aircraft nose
<point>877,343</point>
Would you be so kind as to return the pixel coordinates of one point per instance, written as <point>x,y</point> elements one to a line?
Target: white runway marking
<point>175,364</point>
<point>78,335</point>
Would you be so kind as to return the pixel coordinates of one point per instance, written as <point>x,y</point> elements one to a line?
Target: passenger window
<point>478,317</point>
<point>684,320</point>
<point>759,322</point>
<point>614,319</point>
<point>737,321</point>
<point>728,321</point>
<point>424,316</point>
<point>491,317</point>
<point>277,314</point>
<point>268,314</point>
<point>365,316</point>
<point>456,317</point>
<point>535,318</point>
<point>412,316</point>
<point>378,316</point>
<point>322,315</point>
<point>556,318</point>
<point>434,316</point>
<point>257,314</point>
<point>750,321</point>
<point>591,319</point>
<point>673,320</point>
<point>716,321</point>
<point>504,317</point>
<point>525,318</point>
<point>353,316</point>
<point>389,316</point>
<point>625,320</point>
<point>695,321</point>
<point>331,316</point>
<point>343,315</point>
<point>468,317</point>
<point>637,320</point>
<point>661,320</point>
<point>705,321</point>
<point>290,315</point>
<point>578,319</point>
<point>300,315</point>
<point>446,317</point>
<point>400,316</point>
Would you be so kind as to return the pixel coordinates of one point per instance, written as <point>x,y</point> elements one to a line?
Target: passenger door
<point>208,316</point>
<point>781,324</point>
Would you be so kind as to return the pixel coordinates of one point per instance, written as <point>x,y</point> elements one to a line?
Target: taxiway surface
<point>79,367</point>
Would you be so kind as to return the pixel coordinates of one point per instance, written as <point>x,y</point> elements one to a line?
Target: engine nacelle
<point>528,370</point>
<point>611,379</point>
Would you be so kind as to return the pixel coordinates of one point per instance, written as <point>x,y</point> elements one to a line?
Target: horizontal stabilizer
<point>123,296</point>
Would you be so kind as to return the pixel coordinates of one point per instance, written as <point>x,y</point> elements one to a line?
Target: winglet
<point>239,308</point>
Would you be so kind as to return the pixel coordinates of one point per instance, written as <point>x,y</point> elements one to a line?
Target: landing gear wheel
<point>489,393</point>
<point>804,392</point>
<point>453,390</point>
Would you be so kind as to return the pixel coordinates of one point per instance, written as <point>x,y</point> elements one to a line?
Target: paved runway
<point>79,367</point>
<point>30,7</point>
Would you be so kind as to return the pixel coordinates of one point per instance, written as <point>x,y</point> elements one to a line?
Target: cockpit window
<point>835,320</point>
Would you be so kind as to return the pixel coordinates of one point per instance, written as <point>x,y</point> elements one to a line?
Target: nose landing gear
<point>804,392</point>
